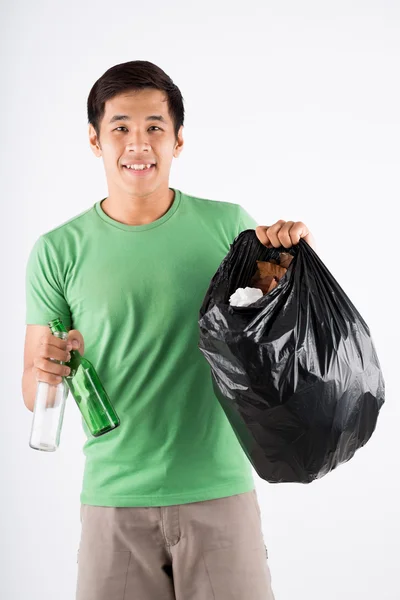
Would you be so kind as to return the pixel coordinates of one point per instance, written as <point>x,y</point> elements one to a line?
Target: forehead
<point>137,104</point>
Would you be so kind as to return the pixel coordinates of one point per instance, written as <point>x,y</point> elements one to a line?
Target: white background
<point>292,110</point>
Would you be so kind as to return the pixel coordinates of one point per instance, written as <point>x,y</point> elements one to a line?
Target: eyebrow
<point>127,118</point>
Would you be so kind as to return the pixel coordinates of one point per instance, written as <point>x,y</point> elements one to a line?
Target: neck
<point>138,210</point>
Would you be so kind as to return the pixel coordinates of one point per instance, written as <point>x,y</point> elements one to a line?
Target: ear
<point>94,141</point>
<point>179,144</point>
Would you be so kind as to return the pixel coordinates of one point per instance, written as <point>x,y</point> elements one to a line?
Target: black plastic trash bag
<point>296,372</point>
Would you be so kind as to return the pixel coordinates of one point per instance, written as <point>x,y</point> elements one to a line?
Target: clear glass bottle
<point>48,412</point>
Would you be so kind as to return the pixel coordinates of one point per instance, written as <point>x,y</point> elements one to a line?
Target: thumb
<point>76,339</point>
<point>310,239</point>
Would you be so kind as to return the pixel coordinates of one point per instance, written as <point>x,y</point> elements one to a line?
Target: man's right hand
<point>51,347</point>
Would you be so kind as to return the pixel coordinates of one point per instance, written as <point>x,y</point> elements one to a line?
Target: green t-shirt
<point>134,292</point>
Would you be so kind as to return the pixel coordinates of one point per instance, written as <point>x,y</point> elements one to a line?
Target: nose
<point>138,142</point>
<point>138,147</point>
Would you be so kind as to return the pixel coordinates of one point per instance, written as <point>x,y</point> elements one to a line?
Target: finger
<point>284,235</point>
<point>273,231</point>
<point>49,351</point>
<point>261,232</point>
<point>309,238</point>
<point>49,366</point>
<point>299,230</point>
<point>52,340</point>
<point>47,377</point>
<point>76,338</point>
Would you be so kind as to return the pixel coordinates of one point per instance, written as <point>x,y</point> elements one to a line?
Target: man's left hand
<point>284,233</point>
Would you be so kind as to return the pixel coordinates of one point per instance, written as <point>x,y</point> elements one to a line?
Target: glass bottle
<point>48,412</point>
<point>88,391</point>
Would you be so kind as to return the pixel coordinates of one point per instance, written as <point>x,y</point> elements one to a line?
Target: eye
<point>122,127</point>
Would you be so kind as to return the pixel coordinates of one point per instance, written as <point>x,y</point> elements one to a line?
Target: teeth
<point>138,167</point>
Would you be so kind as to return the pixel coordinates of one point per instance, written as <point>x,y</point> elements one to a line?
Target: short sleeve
<point>43,289</point>
<point>246,221</point>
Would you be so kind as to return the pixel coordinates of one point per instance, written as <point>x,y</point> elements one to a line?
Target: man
<point>168,505</point>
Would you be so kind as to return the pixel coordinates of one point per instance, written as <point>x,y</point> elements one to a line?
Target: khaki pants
<point>210,550</point>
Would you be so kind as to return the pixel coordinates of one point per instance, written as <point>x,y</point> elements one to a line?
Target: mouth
<point>138,172</point>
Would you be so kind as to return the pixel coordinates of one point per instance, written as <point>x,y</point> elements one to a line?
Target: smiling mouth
<point>138,172</point>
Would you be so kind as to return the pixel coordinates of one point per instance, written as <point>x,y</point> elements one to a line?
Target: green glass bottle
<point>88,391</point>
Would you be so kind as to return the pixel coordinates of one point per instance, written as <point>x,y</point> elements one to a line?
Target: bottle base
<point>44,447</point>
<point>105,430</point>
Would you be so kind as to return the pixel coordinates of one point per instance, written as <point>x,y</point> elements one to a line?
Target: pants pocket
<point>239,573</point>
<point>102,575</point>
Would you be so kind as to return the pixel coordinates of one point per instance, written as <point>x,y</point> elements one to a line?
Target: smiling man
<point>168,505</point>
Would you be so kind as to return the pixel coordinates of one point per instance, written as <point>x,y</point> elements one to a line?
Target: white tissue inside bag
<point>245,296</point>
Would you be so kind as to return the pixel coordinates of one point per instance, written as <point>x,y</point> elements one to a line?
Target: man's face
<point>136,138</point>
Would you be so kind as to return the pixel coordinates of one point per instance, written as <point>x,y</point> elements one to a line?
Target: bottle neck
<point>63,335</point>
<point>56,325</point>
